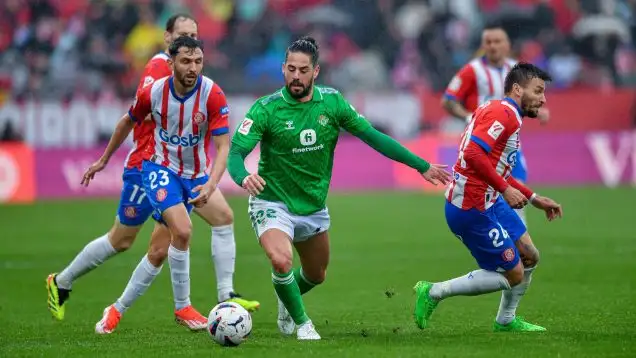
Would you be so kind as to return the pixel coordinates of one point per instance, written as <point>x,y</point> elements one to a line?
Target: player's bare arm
<point>222,147</point>
<point>123,128</point>
<point>455,109</point>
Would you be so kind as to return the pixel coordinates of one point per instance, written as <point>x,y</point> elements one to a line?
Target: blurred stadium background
<point>68,71</point>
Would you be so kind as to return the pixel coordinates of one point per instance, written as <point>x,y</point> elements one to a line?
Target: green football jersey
<point>298,140</point>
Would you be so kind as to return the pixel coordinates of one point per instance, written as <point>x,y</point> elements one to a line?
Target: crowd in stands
<point>63,49</point>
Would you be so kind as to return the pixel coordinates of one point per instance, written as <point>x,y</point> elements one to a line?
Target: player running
<point>298,127</point>
<point>134,210</point>
<point>481,80</point>
<point>477,213</point>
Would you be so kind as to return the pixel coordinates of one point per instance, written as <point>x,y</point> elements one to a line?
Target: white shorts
<point>266,215</point>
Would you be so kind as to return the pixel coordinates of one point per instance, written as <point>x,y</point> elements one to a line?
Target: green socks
<point>290,294</point>
<point>303,283</point>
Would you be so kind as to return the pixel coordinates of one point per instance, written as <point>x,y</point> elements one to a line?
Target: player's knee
<point>182,233</point>
<point>281,262</point>
<point>514,276</point>
<point>157,254</point>
<point>531,258</point>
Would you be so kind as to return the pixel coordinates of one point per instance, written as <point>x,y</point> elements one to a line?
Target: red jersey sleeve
<point>462,85</point>
<point>493,125</point>
<point>155,69</point>
<point>141,105</point>
<point>218,111</point>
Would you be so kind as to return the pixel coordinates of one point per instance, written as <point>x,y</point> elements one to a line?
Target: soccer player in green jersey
<point>298,127</point>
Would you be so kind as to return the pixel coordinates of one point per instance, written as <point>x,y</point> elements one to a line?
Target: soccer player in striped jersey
<point>479,204</point>
<point>135,209</point>
<point>481,80</point>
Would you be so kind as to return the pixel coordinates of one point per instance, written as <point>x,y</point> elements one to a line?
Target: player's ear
<point>167,38</point>
<point>316,71</point>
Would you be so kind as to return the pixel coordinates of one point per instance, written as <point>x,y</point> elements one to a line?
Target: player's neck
<point>308,97</point>
<point>180,90</point>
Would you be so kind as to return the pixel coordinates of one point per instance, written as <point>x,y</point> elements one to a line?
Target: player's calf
<point>159,244</point>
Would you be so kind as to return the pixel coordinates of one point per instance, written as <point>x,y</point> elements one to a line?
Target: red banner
<point>17,184</point>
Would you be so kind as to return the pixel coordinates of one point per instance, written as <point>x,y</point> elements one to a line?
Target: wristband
<point>532,197</point>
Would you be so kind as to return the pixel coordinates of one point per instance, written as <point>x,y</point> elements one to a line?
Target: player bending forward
<point>298,128</point>
<point>481,80</point>
<point>478,215</point>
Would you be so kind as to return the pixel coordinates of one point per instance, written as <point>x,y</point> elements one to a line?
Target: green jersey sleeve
<point>349,119</point>
<point>252,128</point>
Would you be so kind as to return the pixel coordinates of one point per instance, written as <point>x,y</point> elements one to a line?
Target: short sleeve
<point>349,119</point>
<point>218,112</point>
<point>250,131</point>
<point>462,84</point>
<point>493,126</point>
<point>155,69</point>
<point>141,105</point>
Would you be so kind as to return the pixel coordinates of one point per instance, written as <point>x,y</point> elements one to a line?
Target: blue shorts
<point>134,207</point>
<point>520,170</point>
<point>166,189</point>
<point>490,235</point>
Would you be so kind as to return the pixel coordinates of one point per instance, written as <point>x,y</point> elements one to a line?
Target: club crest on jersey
<point>198,118</point>
<point>495,130</point>
<point>245,126</point>
<point>162,194</point>
<point>130,212</point>
<point>148,81</point>
<point>508,255</point>
<point>323,120</point>
<point>289,124</point>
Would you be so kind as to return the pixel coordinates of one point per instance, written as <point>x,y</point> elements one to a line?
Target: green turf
<point>583,290</point>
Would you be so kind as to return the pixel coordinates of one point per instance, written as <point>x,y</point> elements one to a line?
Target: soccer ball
<point>229,324</point>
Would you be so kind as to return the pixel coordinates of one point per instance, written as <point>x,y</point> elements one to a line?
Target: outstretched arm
<point>392,149</point>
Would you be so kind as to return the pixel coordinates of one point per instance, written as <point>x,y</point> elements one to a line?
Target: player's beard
<point>527,108</point>
<point>188,80</point>
<point>304,92</point>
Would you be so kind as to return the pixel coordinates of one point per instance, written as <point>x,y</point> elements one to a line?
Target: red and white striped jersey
<point>478,82</point>
<point>495,128</point>
<point>182,126</point>
<point>155,69</point>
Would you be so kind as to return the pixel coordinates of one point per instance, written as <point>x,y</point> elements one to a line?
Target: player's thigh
<point>509,219</point>
<point>485,238</point>
<point>164,190</point>
<point>278,248</point>
<point>177,218</point>
<point>134,207</point>
<point>266,215</point>
<point>217,211</point>
<point>314,256</point>
<point>528,252</point>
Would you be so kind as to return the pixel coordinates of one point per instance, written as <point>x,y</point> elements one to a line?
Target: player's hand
<point>437,175</point>
<point>95,168</point>
<point>254,184</point>
<point>205,191</point>
<point>552,209</point>
<point>514,198</point>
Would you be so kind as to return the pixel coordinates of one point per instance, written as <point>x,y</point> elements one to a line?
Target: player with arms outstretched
<point>298,127</point>
<point>135,208</point>
<point>480,200</point>
<point>481,80</point>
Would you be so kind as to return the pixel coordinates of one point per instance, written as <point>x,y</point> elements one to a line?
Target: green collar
<point>316,96</point>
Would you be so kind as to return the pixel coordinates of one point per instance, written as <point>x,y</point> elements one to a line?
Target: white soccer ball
<point>229,324</point>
